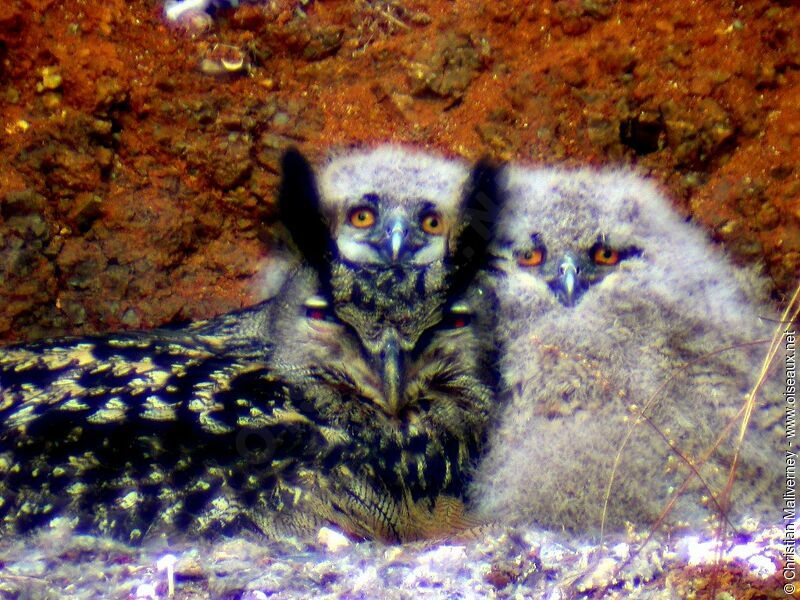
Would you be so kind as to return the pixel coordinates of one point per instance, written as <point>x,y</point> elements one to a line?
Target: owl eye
<point>317,309</point>
<point>362,217</point>
<point>432,223</point>
<point>531,258</point>
<point>457,317</point>
<point>604,255</point>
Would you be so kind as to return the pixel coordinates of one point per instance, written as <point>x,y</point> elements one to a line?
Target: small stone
<point>332,539</point>
<point>236,166</point>
<point>449,70</point>
<point>188,567</point>
<point>12,95</point>
<point>131,319</point>
<point>225,59</point>
<point>146,591</point>
<point>85,210</point>
<point>444,557</point>
<point>325,42</point>
<point>109,91</point>
<point>21,203</point>
<point>51,100</point>
<point>51,79</point>
<point>767,217</point>
<point>500,575</point>
<point>602,575</point>
<point>602,131</point>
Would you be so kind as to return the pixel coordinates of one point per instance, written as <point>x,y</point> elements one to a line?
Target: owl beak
<point>566,282</point>
<point>392,362</point>
<point>396,235</point>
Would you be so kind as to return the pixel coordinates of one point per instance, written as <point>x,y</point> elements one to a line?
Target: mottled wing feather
<point>134,434</point>
<point>132,431</point>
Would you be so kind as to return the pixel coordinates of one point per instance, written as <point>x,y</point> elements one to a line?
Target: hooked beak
<point>392,362</point>
<point>396,234</point>
<point>566,283</point>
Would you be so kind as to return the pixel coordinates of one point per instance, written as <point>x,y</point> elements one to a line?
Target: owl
<point>628,353</point>
<point>276,419</point>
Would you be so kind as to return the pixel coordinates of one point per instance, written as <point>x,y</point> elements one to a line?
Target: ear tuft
<point>299,211</point>
<point>480,213</point>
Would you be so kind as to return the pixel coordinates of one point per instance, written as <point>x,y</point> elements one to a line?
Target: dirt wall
<point>138,168</point>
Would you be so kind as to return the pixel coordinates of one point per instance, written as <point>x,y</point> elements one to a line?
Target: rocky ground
<point>139,161</point>
<point>496,563</point>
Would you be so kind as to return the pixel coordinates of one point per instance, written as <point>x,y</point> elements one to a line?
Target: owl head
<point>391,205</point>
<point>573,241</point>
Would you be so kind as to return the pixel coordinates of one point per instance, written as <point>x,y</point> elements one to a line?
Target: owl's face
<point>392,206</point>
<point>568,269</point>
<point>570,239</point>
<point>443,372</point>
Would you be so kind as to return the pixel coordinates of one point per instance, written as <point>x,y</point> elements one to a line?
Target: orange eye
<point>531,258</point>
<point>432,224</point>
<point>362,217</point>
<point>603,255</point>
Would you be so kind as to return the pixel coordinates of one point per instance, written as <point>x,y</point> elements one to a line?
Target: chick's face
<point>392,205</point>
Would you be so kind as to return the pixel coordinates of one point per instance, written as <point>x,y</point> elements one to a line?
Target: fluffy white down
<point>577,377</point>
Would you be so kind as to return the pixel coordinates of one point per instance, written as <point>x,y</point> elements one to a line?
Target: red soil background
<point>136,189</point>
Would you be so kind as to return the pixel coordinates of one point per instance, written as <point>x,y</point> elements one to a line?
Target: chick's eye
<point>362,217</point>
<point>604,255</point>
<point>432,223</point>
<point>530,258</point>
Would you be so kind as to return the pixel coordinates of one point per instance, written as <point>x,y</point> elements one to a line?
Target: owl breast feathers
<point>627,353</point>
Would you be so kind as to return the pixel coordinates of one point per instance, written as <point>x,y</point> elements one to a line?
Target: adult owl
<point>628,351</point>
<point>278,418</point>
<point>393,215</point>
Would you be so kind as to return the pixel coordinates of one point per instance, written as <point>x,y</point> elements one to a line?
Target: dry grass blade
<point>641,416</point>
<point>790,316</point>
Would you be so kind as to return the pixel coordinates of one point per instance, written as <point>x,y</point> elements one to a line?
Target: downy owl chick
<point>613,306</point>
<point>141,433</point>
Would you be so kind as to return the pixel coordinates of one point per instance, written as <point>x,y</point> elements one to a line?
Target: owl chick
<point>624,332</point>
<point>141,433</point>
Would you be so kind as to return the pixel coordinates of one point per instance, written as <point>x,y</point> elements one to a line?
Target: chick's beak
<point>569,274</point>
<point>396,234</point>
<point>565,284</point>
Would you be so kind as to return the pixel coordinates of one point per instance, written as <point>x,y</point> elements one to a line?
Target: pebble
<point>51,79</point>
<point>332,539</point>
